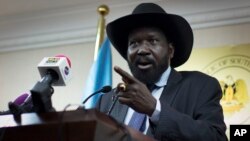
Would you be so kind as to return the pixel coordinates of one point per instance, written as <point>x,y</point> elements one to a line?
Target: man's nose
<point>143,49</point>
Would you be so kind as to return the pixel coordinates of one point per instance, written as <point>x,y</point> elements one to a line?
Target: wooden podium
<point>78,125</point>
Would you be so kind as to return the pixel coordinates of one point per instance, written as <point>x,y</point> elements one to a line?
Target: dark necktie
<point>138,120</point>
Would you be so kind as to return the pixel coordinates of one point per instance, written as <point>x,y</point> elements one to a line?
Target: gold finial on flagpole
<point>103,11</point>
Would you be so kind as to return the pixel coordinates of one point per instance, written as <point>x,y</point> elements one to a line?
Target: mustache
<point>143,59</point>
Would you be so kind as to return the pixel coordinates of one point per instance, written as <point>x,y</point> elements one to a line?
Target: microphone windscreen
<point>21,99</point>
<point>68,60</point>
<point>106,89</point>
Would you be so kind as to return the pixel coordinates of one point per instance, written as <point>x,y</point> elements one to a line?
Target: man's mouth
<point>144,66</point>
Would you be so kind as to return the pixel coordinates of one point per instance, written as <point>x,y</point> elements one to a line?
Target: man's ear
<point>171,50</point>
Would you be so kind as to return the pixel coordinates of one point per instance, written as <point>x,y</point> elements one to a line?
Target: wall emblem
<point>233,73</point>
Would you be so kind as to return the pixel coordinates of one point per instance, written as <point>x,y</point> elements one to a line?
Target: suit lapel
<point>169,92</point>
<point>119,112</point>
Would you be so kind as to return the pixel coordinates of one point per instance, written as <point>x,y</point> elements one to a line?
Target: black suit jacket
<point>190,109</point>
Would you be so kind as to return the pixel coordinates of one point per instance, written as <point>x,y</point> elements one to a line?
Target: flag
<point>100,74</point>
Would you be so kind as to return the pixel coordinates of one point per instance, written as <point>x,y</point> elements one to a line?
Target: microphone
<point>22,104</point>
<point>21,99</point>
<point>104,89</point>
<point>19,105</point>
<point>56,70</point>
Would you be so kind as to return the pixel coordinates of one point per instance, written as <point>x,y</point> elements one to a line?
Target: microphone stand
<point>91,96</point>
<point>104,89</point>
<point>113,104</point>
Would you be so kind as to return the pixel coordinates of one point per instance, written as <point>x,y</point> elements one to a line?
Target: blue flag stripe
<point>100,73</point>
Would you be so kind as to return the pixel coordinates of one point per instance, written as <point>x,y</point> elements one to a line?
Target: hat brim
<point>174,26</point>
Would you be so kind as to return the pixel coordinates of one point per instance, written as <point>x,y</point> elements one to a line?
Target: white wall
<point>226,35</point>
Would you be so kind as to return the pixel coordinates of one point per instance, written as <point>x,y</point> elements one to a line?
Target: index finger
<point>125,76</point>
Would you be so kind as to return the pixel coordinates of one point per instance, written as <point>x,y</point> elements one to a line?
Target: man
<point>182,106</point>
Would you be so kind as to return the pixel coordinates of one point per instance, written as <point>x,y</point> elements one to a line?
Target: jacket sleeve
<point>199,117</point>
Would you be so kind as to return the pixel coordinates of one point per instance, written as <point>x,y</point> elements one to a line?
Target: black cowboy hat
<point>175,27</point>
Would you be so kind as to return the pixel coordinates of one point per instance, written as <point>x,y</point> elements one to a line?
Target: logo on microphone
<point>66,70</point>
<point>52,60</point>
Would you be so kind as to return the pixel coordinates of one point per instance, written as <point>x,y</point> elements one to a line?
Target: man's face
<point>148,54</point>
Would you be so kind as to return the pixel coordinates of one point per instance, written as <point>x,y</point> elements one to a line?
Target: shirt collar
<point>164,78</point>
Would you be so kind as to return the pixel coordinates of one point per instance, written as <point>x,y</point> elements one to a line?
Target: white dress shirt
<point>157,94</point>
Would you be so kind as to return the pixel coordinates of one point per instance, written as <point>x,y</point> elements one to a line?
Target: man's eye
<point>132,43</point>
<point>153,41</point>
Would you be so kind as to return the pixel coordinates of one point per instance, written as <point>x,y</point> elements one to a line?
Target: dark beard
<point>150,76</point>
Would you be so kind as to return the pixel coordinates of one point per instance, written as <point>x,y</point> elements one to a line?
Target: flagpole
<point>103,10</point>
<point>101,69</point>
